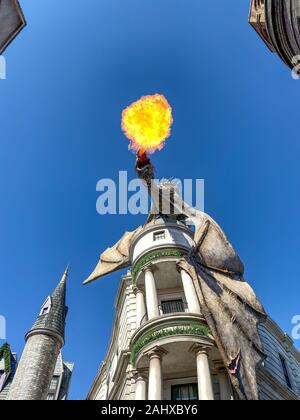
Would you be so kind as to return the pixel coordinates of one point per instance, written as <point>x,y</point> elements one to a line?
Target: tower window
<point>46,306</point>
<point>184,392</point>
<point>159,236</point>
<point>285,371</point>
<point>53,384</point>
<point>50,397</point>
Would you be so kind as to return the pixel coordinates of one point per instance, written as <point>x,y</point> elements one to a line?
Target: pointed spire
<point>65,275</point>
<point>51,319</point>
<point>60,290</point>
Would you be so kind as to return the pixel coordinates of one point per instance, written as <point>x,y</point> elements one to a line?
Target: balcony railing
<point>172,306</point>
<point>168,307</point>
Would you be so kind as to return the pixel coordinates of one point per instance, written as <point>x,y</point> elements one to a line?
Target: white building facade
<point>161,346</point>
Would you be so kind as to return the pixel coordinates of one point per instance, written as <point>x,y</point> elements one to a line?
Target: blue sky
<point>69,75</point>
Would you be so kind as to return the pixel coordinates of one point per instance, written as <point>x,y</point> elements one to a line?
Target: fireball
<point>147,123</point>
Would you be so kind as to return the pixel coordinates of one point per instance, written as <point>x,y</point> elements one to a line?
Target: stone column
<point>140,387</point>
<point>205,386</point>
<point>190,292</point>
<point>140,307</point>
<point>151,294</point>
<point>225,387</point>
<point>155,384</point>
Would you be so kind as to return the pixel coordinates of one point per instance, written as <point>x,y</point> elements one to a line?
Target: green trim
<point>197,329</point>
<point>6,354</point>
<point>154,255</point>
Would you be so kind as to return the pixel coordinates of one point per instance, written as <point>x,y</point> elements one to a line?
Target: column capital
<point>178,267</point>
<point>137,290</point>
<point>156,353</point>
<point>148,267</point>
<point>140,375</point>
<point>200,349</point>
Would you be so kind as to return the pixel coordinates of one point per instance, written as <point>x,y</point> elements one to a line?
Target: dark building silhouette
<point>12,21</point>
<point>278,24</point>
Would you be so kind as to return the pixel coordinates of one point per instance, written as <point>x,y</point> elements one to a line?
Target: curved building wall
<point>38,361</point>
<point>161,236</point>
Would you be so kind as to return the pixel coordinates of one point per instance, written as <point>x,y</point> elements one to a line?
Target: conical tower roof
<point>52,317</point>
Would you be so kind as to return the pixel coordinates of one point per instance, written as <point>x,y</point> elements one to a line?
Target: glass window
<point>53,384</point>
<point>46,306</point>
<point>159,236</point>
<point>187,392</point>
<point>285,371</point>
<point>172,306</point>
<point>50,397</point>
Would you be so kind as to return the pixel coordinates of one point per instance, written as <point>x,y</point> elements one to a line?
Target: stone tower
<point>43,344</point>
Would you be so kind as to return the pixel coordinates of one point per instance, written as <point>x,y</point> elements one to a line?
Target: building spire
<point>52,317</point>
<point>43,345</point>
<point>65,275</point>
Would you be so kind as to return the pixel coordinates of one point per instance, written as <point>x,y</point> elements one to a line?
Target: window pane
<point>158,236</point>
<point>53,384</point>
<point>285,372</point>
<point>187,392</point>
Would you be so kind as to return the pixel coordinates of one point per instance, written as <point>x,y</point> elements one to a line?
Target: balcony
<point>163,329</point>
<point>164,290</point>
<point>175,353</point>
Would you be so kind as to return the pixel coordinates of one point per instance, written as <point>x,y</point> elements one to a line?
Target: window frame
<point>46,307</point>
<point>164,297</point>
<point>159,235</point>
<point>286,371</point>
<point>193,384</point>
<point>54,380</point>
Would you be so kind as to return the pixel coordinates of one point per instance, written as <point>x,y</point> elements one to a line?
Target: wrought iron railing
<point>172,306</point>
<point>168,307</point>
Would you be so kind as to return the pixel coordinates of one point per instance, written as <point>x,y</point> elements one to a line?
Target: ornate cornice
<point>167,329</point>
<point>153,255</point>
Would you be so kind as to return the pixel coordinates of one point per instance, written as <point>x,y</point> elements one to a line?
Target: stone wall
<point>271,378</point>
<point>35,369</point>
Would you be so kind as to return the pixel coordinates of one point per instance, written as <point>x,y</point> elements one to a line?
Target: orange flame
<point>147,123</point>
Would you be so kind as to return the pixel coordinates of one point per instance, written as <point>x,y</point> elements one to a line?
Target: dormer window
<point>46,306</point>
<point>285,371</point>
<point>159,236</point>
